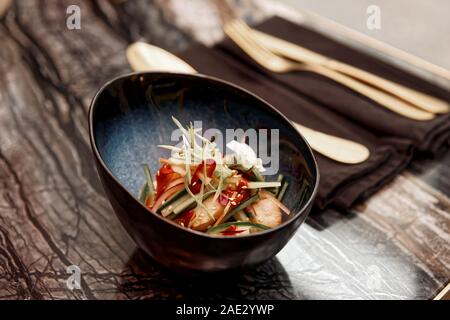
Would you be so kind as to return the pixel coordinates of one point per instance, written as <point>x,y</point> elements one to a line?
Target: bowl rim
<point>99,158</point>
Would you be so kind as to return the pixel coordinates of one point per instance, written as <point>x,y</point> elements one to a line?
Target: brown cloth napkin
<point>323,105</point>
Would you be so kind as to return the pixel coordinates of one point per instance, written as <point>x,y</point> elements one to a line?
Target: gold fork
<point>240,33</point>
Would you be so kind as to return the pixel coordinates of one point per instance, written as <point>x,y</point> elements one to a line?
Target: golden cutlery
<point>145,57</point>
<point>298,53</point>
<point>338,149</point>
<point>241,34</point>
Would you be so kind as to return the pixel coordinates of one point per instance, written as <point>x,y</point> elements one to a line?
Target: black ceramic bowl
<point>131,115</point>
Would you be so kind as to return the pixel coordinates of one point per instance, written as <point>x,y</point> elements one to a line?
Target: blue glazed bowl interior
<point>134,114</point>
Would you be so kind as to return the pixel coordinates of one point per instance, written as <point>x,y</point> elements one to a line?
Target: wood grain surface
<point>53,212</point>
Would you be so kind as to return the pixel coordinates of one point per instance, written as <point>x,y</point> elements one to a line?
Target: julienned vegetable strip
<point>199,202</point>
<point>242,206</point>
<point>270,196</point>
<point>169,209</point>
<point>143,194</point>
<point>225,211</point>
<point>276,190</point>
<point>168,194</point>
<point>151,187</point>
<point>223,226</point>
<point>186,205</point>
<point>280,194</point>
<point>199,188</point>
<point>259,185</point>
<point>172,200</point>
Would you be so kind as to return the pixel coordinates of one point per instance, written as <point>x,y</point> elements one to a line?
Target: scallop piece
<point>267,213</point>
<point>202,218</point>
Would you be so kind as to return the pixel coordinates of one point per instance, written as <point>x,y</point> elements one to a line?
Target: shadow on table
<point>147,279</point>
<point>321,220</point>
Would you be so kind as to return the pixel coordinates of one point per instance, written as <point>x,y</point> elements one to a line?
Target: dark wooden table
<point>53,212</point>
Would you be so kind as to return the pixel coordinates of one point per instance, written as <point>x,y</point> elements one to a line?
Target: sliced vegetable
<point>187,204</point>
<point>235,193</point>
<point>150,186</point>
<point>282,191</point>
<point>224,226</point>
<point>276,190</point>
<point>252,174</point>
<point>172,199</point>
<point>263,184</point>
<point>306,189</point>
<point>197,199</point>
<point>175,182</point>
<point>219,188</point>
<point>208,166</point>
<point>167,194</point>
<point>143,194</point>
<point>240,207</point>
<point>167,209</point>
<point>234,230</point>
<point>164,177</point>
<point>268,195</point>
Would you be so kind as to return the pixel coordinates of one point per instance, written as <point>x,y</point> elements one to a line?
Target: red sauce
<point>196,183</point>
<point>184,218</point>
<point>242,194</point>
<point>164,176</point>
<point>231,231</point>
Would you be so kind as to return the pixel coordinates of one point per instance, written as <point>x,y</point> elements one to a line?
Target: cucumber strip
<point>143,194</point>
<point>282,191</point>
<point>171,200</point>
<point>223,226</point>
<point>186,205</point>
<point>305,192</point>
<point>264,184</point>
<point>151,187</point>
<point>169,209</point>
<point>241,206</point>
<point>276,190</point>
